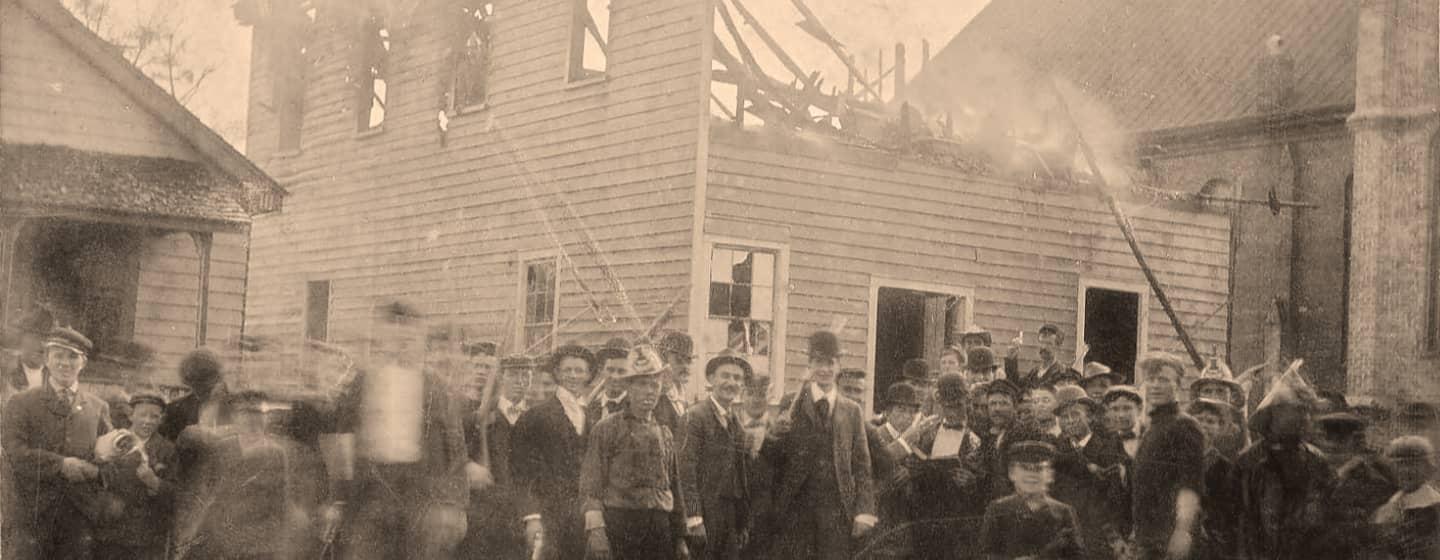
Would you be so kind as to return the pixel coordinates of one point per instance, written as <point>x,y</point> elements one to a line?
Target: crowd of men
<point>434,448</point>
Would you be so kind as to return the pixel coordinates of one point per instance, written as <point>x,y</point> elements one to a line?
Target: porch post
<point>10,229</point>
<point>203,242</point>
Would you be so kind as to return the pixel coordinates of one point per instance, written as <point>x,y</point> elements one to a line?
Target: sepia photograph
<point>719,279</point>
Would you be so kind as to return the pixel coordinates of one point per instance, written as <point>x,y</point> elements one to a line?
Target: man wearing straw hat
<point>629,480</point>
<point>824,496</point>
<point>48,434</point>
<point>1283,479</point>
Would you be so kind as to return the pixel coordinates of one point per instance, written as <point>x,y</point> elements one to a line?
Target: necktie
<point>822,411</point>
<point>611,407</point>
<point>68,397</point>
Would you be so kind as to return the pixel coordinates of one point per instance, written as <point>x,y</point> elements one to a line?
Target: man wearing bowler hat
<point>677,351</point>
<point>48,434</point>
<point>712,462</point>
<point>949,477</point>
<point>824,496</point>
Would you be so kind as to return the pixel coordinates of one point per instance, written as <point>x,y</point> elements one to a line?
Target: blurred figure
<point>713,458</point>
<point>1002,400</point>
<point>1284,479</point>
<point>754,411</point>
<point>755,419</point>
<point>48,435</point>
<point>409,491</point>
<point>1123,404</point>
<point>119,410</point>
<point>973,337</point>
<point>546,450</point>
<point>916,372</point>
<point>203,373</point>
<point>1029,523</point>
<point>1363,482</point>
<point>257,489</point>
<point>1042,403</point>
<point>29,370</point>
<point>851,382</point>
<point>481,363</point>
<point>1409,524</point>
<point>140,490</point>
<point>629,479</point>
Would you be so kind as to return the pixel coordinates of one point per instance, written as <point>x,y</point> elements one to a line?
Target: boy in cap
<point>1029,523</point>
<point>948,476</point>
<point>1283,479</point>
<point>1363,482</point>
<point>1090,470</point>
<point>824,495</point>
<point>139,489</point>
<point>712,463</point>
<point>629,480</point>
<point>1098,378</point>
<point>1123,404</point>
<point>1221,498</point>
<point>48,434</point>
<point>1409,524</point>
<point>1001,404</point>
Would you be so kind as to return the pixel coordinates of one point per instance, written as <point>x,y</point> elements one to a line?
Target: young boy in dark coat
<point>1029,523</point>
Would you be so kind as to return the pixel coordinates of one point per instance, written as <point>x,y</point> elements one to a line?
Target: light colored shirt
<point>606,400</point>
<point>722,412</point>
<point>35,377</point>
<point>573,409</point>
<point>677,401</point>
<point>948,441</point>
<point>511,410</point>
<point>1083,441</point>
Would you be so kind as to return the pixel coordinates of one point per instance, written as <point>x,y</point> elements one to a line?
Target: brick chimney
<point>1397,86</point>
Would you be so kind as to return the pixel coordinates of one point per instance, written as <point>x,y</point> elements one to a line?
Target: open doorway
<point>910,321</point>
<point>1112,324</point>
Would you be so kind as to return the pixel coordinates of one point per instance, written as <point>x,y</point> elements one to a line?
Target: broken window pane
<point>590,39</point>
<point>472,56</point>
<point>374,73</point>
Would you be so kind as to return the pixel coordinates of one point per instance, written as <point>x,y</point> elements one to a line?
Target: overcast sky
<point>865,26</point>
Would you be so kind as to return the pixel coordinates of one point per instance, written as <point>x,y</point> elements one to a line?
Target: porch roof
<point>37,176</point>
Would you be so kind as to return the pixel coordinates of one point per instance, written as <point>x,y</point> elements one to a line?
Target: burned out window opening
<point>373,73</point>
<point>290,64</point>
<point>589,39</point>
<point>317,310</point>
<point>742,302</point>
<point>470,58</point>
<point>540,296</point>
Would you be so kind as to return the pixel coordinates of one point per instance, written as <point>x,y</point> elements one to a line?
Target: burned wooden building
<point>543,171</point>
<point>120,213</point>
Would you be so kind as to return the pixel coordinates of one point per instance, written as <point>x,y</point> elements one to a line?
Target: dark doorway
<point>1112,329</point>
<point>899,335</point>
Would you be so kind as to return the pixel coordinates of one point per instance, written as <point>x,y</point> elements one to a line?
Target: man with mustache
<point>712,463</point>
<point>1050,338</point>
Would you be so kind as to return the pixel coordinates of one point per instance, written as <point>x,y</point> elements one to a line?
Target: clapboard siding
<point>394,213</point>
<point>852,214</point>
<point>49,94</point>
<point>167,298</point>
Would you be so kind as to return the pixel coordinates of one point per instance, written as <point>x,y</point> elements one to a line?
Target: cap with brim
<point>1095,371</point>
<point>1067,375</point>
<point>1002,387</point>
<point>916,370</point>
<point>980,358</point>
<point>1409,448</point>
<point>950,390</point>
<point>902,394</point>
<point>1030,452</point>
<point>1341,423</point>
<point>68,338</point>
<point>1221,409</point>
<point>606,353</point>
<point>517,362</point>
<point>1233,387</point>
<point>1122,392</point>
<point>976,333</point>
<point>726,359</point>
<point>678,343</point>
<point>824,345</point>
<point>1090,405</point>
<point>147,398</point>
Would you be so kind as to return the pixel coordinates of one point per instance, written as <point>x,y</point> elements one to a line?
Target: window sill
<point>467,110</point>
<point>587,81</point>
<point>289,154</point>
<point>370,132</point>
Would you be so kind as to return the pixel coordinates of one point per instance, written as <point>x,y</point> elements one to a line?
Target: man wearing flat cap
<point>824,497</point>
<point>1097,379</point>
<point>493,532</point>
<point>1220,499</point>
<point>48,435</point>
<point>1090,470</point>
<point>1363,482</point>
<point>1029,523</point>
<point>712,463</point>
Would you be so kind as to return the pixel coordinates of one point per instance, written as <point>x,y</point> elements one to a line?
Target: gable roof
<point>1157,64</point>
<point>149,96</point>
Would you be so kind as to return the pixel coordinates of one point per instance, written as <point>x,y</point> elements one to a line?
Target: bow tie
<point>1128,435</point>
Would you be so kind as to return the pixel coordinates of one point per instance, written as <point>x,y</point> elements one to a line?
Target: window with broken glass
<point>470,57</point>
<point>742,303</point>
<point>589,39</point>
<point>373,73</point>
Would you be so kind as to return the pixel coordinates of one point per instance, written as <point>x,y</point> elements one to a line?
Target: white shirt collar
<point>607,399</point>
<point>1394,509</point>
<point>817,396</point>
<point>722,412</point>
<point>74,387</point>
<point>573,410</point>
<point>505,407</point>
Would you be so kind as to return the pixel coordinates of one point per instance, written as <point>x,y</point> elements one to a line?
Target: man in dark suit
<point>140,490</point>
<point>202,372</point>
<point>546,449</point>
<point>712,463</point>
<point>495,503</point>
<point>614,362</point>
<point>1089,476</point>
<point>677,350</point>
<point>824,496</point>
<point>29,370</point>
<point>1050,338</point>
<point>48,435</point>
<point>949,477</point>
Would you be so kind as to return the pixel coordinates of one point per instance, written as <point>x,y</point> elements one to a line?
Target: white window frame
<point>1142,336</point>
<point>967,316</point>
<point>522,266</point>
<point>779,313</point>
